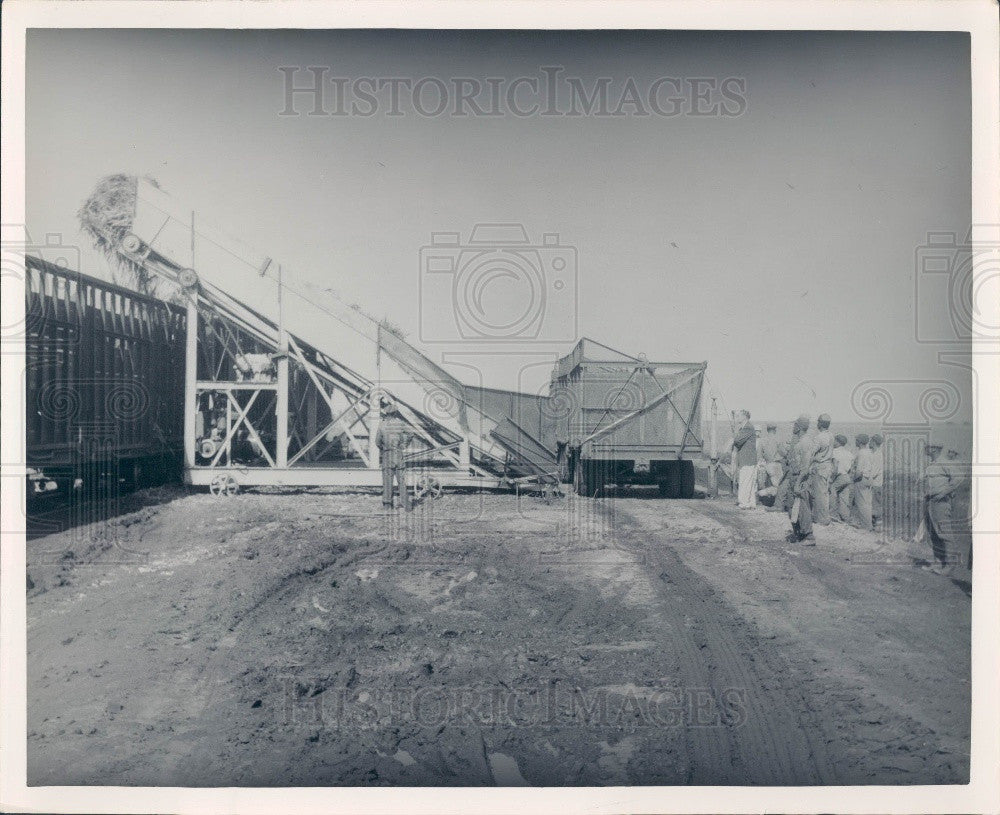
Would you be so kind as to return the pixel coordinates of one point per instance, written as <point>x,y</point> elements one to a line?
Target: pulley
<point>131,243</point>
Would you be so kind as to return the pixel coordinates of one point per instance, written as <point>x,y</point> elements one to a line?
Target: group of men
<point>819,478</point>
<point>815,477</point>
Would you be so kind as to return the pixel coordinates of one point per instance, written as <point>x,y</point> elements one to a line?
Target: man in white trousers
<point>745,460</point>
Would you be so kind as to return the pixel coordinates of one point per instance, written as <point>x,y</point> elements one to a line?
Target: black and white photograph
<point>441,406</point>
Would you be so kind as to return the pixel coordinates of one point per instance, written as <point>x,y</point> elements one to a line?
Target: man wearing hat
<point>939,487</point>
<point>861,495</point>
<point>878,476</point>
<point>392,437</point>
<point>821,470</point>
<point>800,484</point>
<point>840,486</point>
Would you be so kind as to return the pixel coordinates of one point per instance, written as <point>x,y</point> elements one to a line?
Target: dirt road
<point>308,639</point>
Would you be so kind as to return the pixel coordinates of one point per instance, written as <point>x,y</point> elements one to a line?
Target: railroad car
<point>104,385</point>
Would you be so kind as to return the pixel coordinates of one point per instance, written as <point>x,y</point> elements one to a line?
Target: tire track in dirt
<point>717,653</point>
<point>857,726</point>
<point>778,742</point>
<point>252,620</point>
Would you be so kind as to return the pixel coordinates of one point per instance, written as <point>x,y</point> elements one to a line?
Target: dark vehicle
<point>627,420</point>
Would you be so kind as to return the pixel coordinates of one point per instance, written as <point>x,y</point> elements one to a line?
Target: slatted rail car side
<point>103,382</point>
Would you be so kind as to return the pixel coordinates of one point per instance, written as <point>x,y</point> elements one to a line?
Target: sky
<point>776,237</point>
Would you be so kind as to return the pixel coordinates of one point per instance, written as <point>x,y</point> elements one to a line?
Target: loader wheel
<point>427,485</point>
<point>224,485</point>
<point>548,491</point>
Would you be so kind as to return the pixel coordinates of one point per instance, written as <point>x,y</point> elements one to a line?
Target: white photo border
<point>978,17</point>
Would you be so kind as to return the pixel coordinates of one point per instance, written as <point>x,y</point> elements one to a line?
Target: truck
<point>623,420</point>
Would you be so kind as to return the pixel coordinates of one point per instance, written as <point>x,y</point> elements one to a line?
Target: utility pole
<point>732,457</point>
<point>191,368</point>
<point>281,404</point>
<point>713,451</point>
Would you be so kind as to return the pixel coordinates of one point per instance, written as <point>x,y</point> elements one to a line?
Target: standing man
<point>770,455</point>
<point>800,484</point>
<point>781,495</point>
<point>861,512</point>
<point>878,477</point>
<point>939,487</point>
<point>745,460</point>
<point>821,469</point>
<point>840,487</point>
<point>961,474</point>
<point>562,456</point>
<point>391,439</point>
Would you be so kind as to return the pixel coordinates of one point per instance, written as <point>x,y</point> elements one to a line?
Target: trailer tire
<point>670,481</point>
<point>687,479</point>
<point>595,476</point>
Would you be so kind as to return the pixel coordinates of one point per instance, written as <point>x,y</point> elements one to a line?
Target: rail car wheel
<point>428,485</point>
<point>224,485</point>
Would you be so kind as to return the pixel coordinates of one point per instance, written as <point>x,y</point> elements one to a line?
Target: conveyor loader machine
<point>283,380</point>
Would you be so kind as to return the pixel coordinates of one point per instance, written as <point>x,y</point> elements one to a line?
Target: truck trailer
<point>625,420</point>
